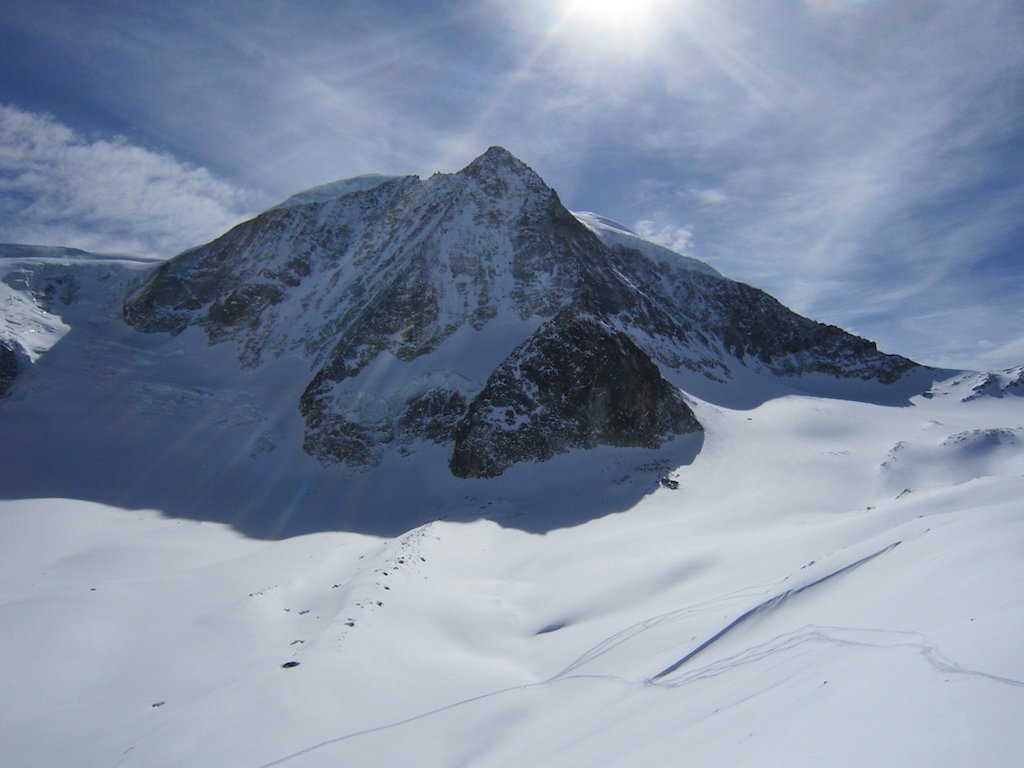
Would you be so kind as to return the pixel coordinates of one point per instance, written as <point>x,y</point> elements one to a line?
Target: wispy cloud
<point>858,155</point>
<point>58,187</point>
<point>678,238</point>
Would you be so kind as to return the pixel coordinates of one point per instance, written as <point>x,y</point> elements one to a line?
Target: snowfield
<point>136,639</point>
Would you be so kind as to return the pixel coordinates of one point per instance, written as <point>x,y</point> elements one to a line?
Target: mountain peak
<point>497,155</point>
<point>498,162</point>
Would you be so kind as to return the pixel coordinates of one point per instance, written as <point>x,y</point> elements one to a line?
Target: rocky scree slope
<point>473,310</point>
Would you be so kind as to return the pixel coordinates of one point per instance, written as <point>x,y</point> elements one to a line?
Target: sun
<point>619,22</point>
<point>611,13</point>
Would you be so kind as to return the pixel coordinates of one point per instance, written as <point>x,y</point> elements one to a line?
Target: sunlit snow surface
<point>37,324</point>
<point>613,233</point>
<point>864,559</point>
<point>336,189</point>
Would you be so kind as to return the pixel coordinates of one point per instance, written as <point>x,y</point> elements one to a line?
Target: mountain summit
<point>474,310</point>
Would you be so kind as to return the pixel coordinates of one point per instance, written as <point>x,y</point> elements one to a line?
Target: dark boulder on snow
<point>576,383</point>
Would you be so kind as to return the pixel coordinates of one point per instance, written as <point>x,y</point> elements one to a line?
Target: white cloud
<point>678,238</point>
<point>58,187</point>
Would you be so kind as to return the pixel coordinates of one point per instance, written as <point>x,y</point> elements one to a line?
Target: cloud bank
<point>58,187</point>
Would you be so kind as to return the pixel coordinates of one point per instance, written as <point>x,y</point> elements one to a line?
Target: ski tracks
<point>675,676</point>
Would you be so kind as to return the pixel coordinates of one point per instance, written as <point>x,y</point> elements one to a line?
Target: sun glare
<point>611,13</point>
<point>604,11</point>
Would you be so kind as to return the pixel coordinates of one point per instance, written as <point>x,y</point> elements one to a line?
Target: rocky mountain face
<point>473,310</point>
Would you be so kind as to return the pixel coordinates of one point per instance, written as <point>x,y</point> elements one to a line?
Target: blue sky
<point>859,159</point>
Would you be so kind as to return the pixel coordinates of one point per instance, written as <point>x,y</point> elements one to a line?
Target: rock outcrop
<point>576,383</point>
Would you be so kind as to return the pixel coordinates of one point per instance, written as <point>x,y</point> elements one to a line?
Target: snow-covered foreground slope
<point>850,575</point>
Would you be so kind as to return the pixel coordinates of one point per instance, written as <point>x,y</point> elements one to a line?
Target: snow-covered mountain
<point>435,472</point>
<point>446,281</point>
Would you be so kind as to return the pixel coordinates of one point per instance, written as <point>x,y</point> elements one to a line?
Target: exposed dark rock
<point>331,437</point>
<point>243,305</point>
<point>432,415</point>
<point>495,167</point>
<point>274,252</point>
<point>984,385</point>
<point>338,435</point>
<point>58,288</point>
<point>576,383</point>
<point>1007,382</point>
<point>10,365</point>
<point>757,325</point>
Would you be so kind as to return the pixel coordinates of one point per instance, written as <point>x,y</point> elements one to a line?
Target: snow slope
<point>41,284</point>
<point>336,189</point>
<point>613,233</point>
<point>840,618</point>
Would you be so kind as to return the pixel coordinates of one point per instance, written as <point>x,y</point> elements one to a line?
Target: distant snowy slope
<point>971,385</point>
<point>25,324</point>
<point>612,233</point>
<point>336,189</point>
<point>44,289</point>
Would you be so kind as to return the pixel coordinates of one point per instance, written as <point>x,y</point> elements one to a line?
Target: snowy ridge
<point>769,604</point>
<point>336,189</point>
<point>613,233</point>
<point>971,385</point>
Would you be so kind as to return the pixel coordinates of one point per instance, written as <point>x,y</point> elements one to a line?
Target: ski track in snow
<point>861,637</point>
<point>767,605</point>
<point>882,639</point>
<point>635,630</point>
